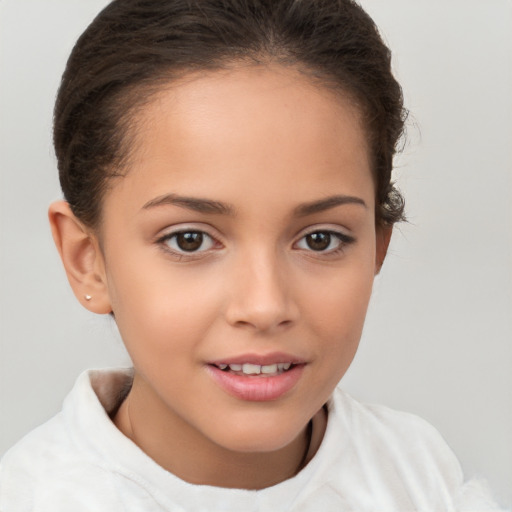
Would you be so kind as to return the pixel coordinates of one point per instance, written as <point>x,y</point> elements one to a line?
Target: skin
<point>264,142</point>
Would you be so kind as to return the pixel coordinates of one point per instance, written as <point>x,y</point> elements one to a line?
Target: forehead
<point>230,131</point>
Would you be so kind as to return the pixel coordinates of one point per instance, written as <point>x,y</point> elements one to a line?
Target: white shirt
<point>371,459</point>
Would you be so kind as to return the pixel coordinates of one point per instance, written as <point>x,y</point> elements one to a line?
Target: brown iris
<point>189,241</point>
<point>319,241</point>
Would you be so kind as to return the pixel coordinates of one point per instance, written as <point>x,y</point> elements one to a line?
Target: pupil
<point>318,241</point>
<point>191,241</point>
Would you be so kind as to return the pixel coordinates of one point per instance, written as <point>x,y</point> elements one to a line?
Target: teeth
<point>271,368</point>
<point>251,369</point>
<point>256,369</point>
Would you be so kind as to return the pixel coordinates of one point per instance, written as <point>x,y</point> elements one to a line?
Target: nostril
<point>261,303</point>
<point>263,324</point>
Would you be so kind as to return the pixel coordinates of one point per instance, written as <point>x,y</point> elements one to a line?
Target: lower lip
<point>257,388</point>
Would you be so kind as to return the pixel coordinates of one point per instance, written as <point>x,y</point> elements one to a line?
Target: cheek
<point>337,310</point>
<point>158,308</point>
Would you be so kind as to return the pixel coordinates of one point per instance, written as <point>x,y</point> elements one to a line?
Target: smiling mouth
<point>257,378</point>
<point>256,370</point>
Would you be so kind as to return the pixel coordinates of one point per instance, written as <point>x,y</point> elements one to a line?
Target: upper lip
<point>260,359</point>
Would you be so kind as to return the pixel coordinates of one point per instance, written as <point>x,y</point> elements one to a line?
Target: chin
<point>258,435</point>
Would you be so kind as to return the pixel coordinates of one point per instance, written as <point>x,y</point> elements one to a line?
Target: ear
<point>383,237</point>
<point>82,258</point>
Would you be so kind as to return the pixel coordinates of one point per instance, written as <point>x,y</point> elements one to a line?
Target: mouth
<point>258,378</point>
<point>255,370</point>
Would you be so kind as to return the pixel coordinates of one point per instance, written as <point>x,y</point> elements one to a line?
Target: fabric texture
<point>371,459</point>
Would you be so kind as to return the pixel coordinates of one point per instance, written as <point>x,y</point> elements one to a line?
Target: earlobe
<point>383,237</point>
<point>82,258</point>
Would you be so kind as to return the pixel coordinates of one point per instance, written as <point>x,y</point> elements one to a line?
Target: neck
<point>196,459</point>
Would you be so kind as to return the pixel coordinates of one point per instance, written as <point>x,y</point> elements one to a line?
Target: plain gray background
<point>439,331</point>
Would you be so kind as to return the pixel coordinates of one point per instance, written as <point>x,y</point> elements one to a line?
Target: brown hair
<point>134,46</point>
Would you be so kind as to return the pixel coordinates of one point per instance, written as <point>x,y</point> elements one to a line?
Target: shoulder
<point>44,465</point>
<point>408,430</point>
<point>55,466</point>
<point>407,455</point>
<point>399,452</point>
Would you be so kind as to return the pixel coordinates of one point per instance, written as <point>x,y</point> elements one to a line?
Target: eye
<point>188,241</point>
<point>324,241</point>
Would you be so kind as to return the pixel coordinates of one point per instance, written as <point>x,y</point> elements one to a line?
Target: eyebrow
<point>216,207</point>
<point>326,204</point>
<point>191,203</point>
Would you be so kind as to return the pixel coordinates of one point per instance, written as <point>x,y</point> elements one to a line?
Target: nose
<point>261,295</point>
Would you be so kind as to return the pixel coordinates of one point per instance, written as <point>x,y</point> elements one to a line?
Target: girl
<point>227,173</point>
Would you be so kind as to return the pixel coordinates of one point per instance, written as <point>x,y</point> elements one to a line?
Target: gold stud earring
<point>88,297</point>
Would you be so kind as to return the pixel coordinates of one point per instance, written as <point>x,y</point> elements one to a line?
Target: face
<point>239,254</point>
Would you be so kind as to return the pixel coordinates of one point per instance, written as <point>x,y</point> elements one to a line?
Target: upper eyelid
<point>328,228</point>
<point>342,237</point>
<point>170,231</point>
<point>323,230</point>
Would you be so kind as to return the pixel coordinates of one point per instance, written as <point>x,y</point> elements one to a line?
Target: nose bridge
<point>261,295</point>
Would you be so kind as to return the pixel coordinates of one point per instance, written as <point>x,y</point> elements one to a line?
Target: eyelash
<point>164,241</point>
